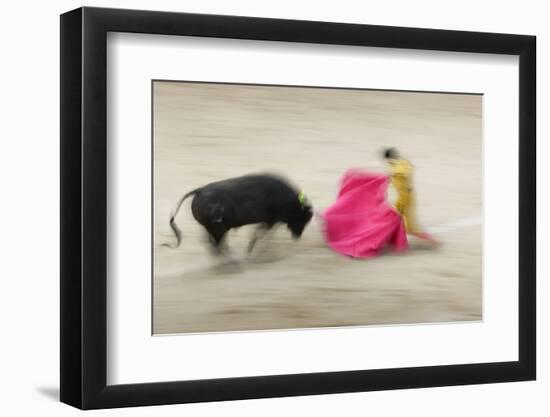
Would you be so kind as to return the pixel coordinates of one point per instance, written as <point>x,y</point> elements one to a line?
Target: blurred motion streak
<point>207,133</point>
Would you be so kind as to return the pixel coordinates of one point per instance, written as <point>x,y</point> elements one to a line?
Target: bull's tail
<point>173,215</point>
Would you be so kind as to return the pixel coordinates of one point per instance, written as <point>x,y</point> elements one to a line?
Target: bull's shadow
<point>224,267</point>
<point>267,250</point>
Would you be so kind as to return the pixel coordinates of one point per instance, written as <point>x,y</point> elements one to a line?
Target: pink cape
<point>361,223</point>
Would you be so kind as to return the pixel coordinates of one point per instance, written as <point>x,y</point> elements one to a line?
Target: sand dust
<point>207,132</point>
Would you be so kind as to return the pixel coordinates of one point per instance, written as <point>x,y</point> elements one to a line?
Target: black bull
<point>250,199</point>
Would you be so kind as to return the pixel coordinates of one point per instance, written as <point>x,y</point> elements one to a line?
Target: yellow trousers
<point>406,206</point>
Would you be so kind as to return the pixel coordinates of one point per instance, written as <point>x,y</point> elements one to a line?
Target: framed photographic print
<point>258,208</point>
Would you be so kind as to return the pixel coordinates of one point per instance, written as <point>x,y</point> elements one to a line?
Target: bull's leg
<point>216,234</point>
<point>260,232</point>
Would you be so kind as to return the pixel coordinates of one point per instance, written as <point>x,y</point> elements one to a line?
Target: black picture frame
<point>84,207</point>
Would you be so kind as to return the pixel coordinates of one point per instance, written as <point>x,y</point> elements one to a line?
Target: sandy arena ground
<point>207,132</point>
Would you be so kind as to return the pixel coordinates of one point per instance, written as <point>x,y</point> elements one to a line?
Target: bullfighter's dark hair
<point>391,153</point>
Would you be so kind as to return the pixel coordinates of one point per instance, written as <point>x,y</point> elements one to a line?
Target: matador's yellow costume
<point>401,178</point>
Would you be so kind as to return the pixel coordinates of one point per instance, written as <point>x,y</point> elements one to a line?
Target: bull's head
<point>300,216</point>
